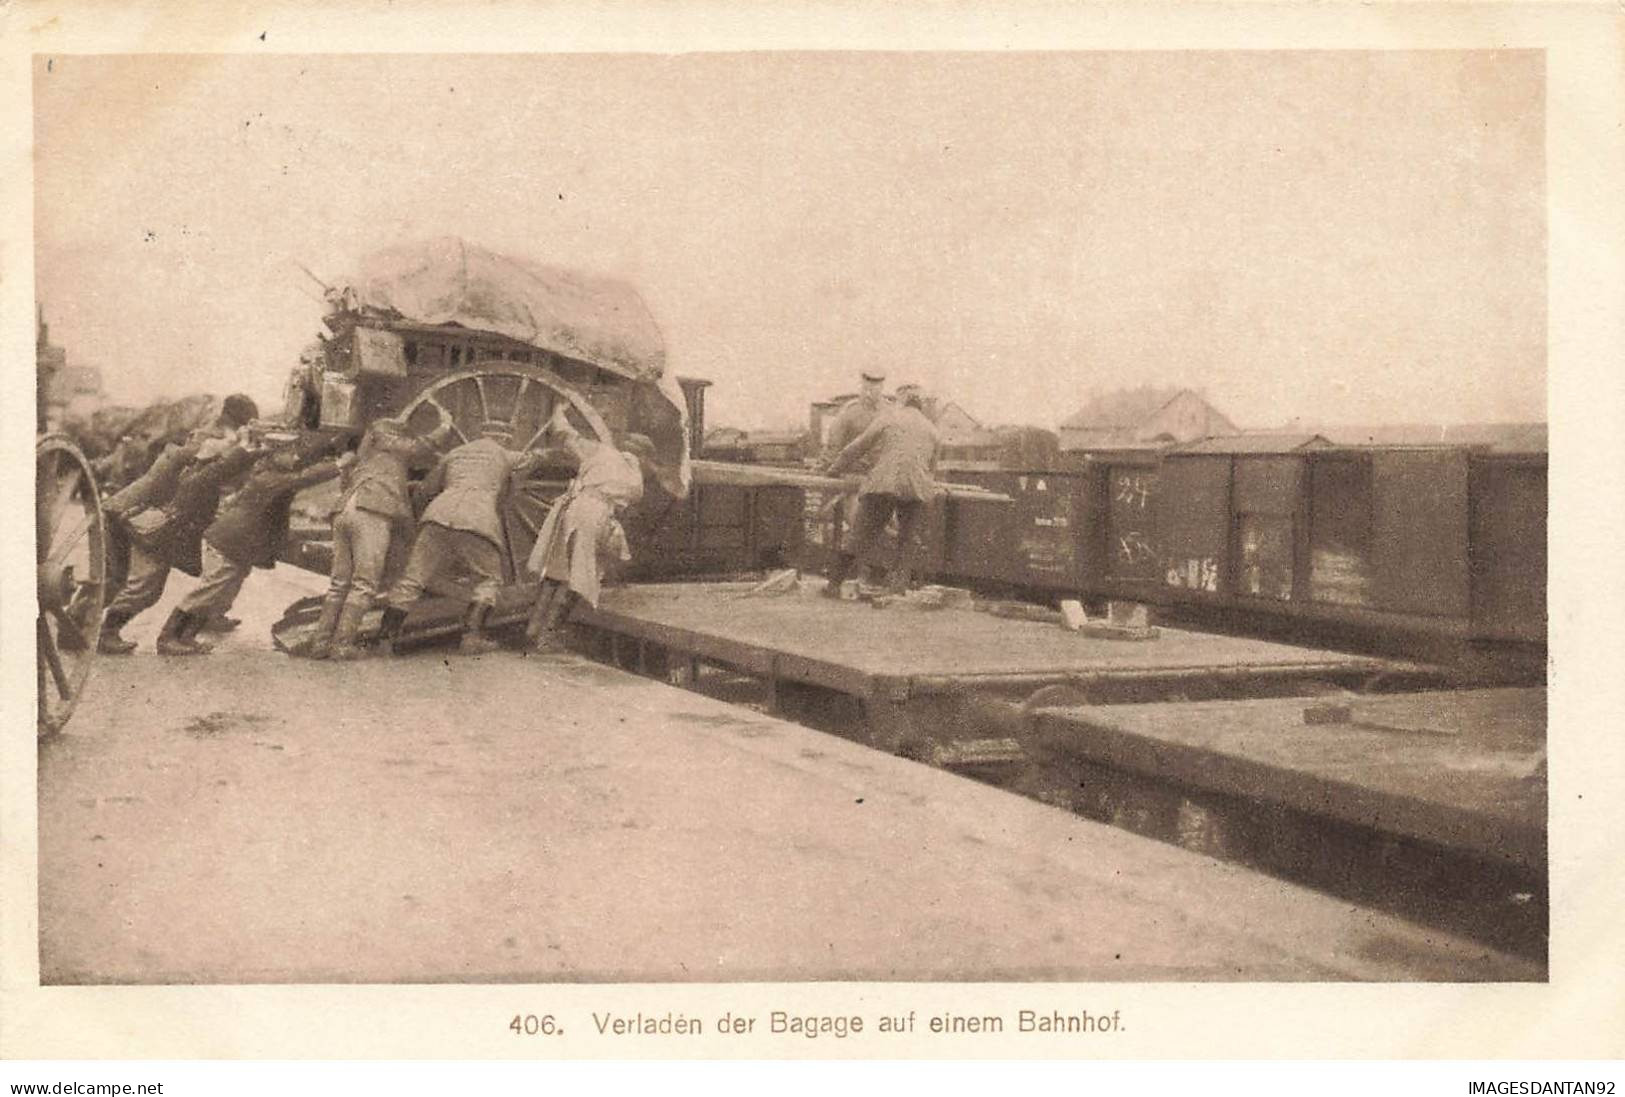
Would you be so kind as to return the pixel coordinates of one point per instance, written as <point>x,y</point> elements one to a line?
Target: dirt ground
<point>247,817</point>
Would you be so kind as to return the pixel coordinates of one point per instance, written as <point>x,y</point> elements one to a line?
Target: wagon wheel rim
<point>452,410</point>
<point>70,546</point>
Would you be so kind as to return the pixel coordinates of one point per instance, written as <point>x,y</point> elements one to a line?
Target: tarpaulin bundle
<point>586,317</point>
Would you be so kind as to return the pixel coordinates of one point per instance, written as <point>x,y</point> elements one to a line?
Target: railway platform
<point>430,818</point>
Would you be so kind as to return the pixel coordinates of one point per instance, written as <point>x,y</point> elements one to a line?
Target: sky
<point>1333,237</point>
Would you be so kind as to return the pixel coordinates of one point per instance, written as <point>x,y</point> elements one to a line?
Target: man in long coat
<point>582,527</point>
<point>164,521</point>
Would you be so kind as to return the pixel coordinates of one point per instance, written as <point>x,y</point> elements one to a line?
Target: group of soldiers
<point>893,445</point>
<point>216,503</point>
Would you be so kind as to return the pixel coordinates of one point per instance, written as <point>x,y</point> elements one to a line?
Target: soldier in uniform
<point>461,523</point>
<point>901,445</point>
<point>856,416</point>
<point>130,566</point>
<point>852,421</point>
<point>582,527</point>
<point>247,534</point>
<point>374,514</point>
<point>164,520</point>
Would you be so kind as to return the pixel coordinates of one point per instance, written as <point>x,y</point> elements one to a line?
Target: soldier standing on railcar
<point>902,445</point>
<point>462,523</point>
<point>855,418</point>
<point>582,527</point>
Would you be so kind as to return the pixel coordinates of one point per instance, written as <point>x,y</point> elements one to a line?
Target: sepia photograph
<point>805,516</point>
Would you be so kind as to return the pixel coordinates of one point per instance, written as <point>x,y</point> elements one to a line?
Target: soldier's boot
<point>320,644</point>
<point>537,624</point>
<point>179,636</point>
<point>389,635</point>
<point>220,623</point>
<point>349,626</point>
<point>838,574</point>
<point>549,638</point>
<point>475,641</point>
<point>111,643</point>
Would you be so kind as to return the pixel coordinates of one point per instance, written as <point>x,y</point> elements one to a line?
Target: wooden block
<point>952,597</point>
<point>1128,614</point>
<point>1328,713</point>
<point>780,582</point>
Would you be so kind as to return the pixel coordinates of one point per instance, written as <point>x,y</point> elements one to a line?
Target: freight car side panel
<point>1419,532</point>
<point>981,539</point>
<point>1268,497</point>
<point>1193,525</point>
<point>1132,554</point>
<point>1509,548</point>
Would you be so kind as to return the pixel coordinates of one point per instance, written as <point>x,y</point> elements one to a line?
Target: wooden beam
<point>727,472</point>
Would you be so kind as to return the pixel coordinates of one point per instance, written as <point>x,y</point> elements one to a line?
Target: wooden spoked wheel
<point>70,574</point>
<point>520,400</point>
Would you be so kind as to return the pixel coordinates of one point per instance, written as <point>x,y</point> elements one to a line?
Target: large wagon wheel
<point>521,398</point>
<point>71,575</point>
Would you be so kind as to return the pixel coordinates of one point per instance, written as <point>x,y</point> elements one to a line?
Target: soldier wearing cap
<point>900,447</point>
<point>374,513</point>
<point>582,527</point>
<point>164,517</point>
<point>856,416</point>
<point>248,533</point>
<point>852,421</point>
<point>462,524</point>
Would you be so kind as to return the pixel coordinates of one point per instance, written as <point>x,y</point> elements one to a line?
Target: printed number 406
<point>528,1024</point>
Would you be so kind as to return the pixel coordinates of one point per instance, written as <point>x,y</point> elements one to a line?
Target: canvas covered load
<point>589,318</point>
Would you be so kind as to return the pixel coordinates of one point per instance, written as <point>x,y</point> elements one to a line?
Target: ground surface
<point>249,818</point>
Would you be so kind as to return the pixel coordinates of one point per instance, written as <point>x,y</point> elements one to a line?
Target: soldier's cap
<point>872,375</point>
<point>639,445</point>
<point>238,409</point>
<point>911,387</point>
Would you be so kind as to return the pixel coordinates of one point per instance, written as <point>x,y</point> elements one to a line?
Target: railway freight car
<point>1416,544</point>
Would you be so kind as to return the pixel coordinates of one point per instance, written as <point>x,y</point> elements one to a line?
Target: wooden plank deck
<point>895,653</point>
<point>1460,769</point>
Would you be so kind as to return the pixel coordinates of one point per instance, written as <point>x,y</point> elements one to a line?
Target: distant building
<point>64,392</point>
<point>1142,418</point>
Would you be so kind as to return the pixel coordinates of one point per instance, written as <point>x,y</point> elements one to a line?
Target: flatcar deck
<point>430,818</point>
<point>1462,769</point>
<point>908,666</point>
<point>855,648</point>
